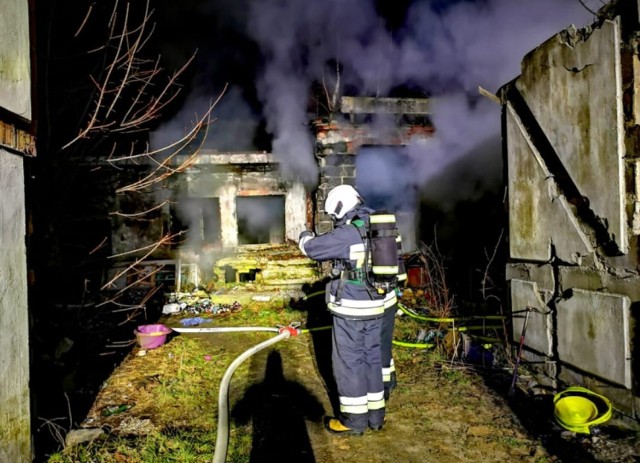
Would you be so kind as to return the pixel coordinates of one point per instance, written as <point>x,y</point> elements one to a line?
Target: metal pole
<point>522,335</point>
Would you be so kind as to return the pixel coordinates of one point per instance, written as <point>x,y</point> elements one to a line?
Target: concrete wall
<point>15,63</point>
<point>571,153</point>
<point>15,438</point>
<point>15,97</point>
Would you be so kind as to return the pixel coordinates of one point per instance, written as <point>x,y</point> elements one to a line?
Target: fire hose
<point>222,437</point>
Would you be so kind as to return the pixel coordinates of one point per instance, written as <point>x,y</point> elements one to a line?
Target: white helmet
<point>341,200</point>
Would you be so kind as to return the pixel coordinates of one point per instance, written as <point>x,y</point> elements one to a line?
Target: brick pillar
<point>337,162</point>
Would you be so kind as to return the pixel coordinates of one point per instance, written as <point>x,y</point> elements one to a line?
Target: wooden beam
<point>486,93</point>
<point>16,140</point>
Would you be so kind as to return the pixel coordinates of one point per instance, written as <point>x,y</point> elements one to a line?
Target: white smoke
<point>448,49</point>
<point>450,52</point>
<point>232,126</point>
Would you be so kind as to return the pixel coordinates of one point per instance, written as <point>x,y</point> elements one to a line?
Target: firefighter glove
<point>304,237</point>
<point>306,233</point>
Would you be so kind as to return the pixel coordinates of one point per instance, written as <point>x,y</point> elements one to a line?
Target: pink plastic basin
<point>151,336</point>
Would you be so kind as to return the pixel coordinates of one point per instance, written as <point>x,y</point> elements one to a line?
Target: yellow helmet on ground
<point>577,409</point>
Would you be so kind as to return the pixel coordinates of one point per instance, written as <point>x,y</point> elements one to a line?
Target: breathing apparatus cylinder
<point>383,234</point>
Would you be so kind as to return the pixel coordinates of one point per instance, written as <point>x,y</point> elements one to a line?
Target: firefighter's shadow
<point>278,409</point>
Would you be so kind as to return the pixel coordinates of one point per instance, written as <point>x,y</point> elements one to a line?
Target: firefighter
<point>357,314</point>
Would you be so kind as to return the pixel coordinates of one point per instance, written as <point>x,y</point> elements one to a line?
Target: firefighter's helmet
<point>341,200</point>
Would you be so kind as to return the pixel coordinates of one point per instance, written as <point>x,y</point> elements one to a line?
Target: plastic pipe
<point>222,439</point>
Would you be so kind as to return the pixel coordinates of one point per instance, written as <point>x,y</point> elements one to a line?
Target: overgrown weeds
<point>171,392</point>
<point>171,395</point>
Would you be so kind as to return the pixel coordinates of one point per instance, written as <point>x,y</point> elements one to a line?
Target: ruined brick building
<point>233,199</point>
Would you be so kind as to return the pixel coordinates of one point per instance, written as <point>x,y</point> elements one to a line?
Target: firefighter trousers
<point>357,369</point>
<point>386,343</point>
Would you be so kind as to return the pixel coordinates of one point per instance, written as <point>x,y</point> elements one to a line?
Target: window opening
<point>260,219</point>
<point>200,217</point>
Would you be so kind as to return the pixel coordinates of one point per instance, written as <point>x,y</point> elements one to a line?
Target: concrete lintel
<point>207,157</point>
<point>609,279</point>
<point>542,274</point>
<point>370,105</point>
<point>580,277</point>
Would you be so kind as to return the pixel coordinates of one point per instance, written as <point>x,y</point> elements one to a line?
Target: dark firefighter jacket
<point>347,296</point>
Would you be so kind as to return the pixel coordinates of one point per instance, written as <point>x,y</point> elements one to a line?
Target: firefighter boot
<point>378,427</point>
<point>334,426</point>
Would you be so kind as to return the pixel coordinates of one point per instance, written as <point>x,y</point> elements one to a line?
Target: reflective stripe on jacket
<point>347,298</point>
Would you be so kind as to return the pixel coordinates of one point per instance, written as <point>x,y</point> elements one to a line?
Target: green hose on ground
<point>416,345</point>
<point>449,319</point>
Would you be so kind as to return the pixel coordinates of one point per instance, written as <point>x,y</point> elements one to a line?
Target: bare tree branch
<point>127,72</point>
<point>139,214</point>
<point>164,168</point>
<point>584,4</point>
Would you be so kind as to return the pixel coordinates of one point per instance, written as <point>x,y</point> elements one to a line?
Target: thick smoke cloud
<point>450,53</point>
<point>231,128</point>
<point>448,49</point>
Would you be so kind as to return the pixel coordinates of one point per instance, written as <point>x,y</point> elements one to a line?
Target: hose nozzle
<point>293,329</point>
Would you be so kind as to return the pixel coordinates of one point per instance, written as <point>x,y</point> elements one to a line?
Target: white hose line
<point>226,329</point>
<point>222,439</point>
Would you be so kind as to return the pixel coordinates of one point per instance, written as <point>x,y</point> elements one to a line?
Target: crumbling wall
<point>226,182</point>
<point>14,342</point>
<point>230,175</point>
<point>339,138</point>
<point>571,153</point>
